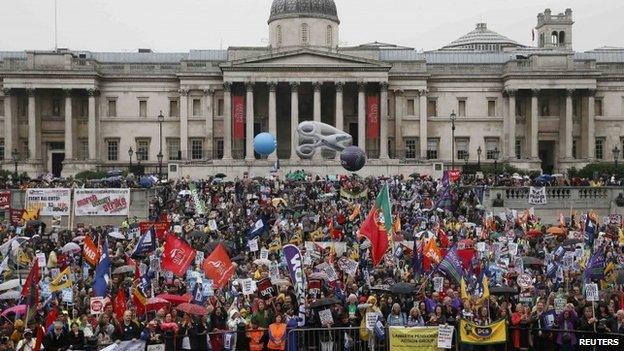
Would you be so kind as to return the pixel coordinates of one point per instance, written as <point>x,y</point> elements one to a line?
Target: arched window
<point>279,35</point>
<point>304,34</point>
<point>330,35</point>
<point>541,39</point>
<point>562,37</point>
<point>554,38</point>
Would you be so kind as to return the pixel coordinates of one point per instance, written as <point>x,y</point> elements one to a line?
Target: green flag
<point>383,205</point>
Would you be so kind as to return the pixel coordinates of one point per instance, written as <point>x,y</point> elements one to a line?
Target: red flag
<point>238,117</point>
<point>177,255</point>
<point>218,267</point>
<point>120,304</point>
<point>444,240</point>
<point>30,290</point>
<point>137,298</point>
<point>466,255</point>
<point>39,338</point>
<point>90,251</point>
<point>374,231</point>
<point>372,110</point>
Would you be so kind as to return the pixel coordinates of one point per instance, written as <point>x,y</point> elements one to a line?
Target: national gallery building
<point>481,98</point>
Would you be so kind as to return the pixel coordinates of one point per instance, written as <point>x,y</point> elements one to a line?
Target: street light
<point>616,154</point>
<point>15,158</point>
<point>161,118</point>
<point>130,152</point>
<point>495,154</point>
<point>479,150</point>
<point>453,116</point>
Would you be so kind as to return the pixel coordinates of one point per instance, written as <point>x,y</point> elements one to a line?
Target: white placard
<point>591,292</point>
<point>97,305</point>
<point>50,201</point>
<point>438,284</point>
<point>537,196</point>
<point>159,347</point>
<point>513,248</point>
<point>248,286</point>
<point>253,245</point>
<point>101,202</point>
<point>67,295</point>
<point>331,273</point>
<point>326,317</point>
<point>41,259</point>
<point>445,336</point>
<point>348,266</point>
<point>524,280</point>
<point>274,270</point>
<point>264,254</point>
<point>371,319</point>
<point>481,246</point>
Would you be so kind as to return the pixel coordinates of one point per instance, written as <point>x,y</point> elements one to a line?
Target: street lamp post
<point>479,150</point>
<point>453,116</point>
<point>130,152</point>
<point>616,154</point>
<point>14,157</point>
<point>161,118</point>
<point>495,153</point>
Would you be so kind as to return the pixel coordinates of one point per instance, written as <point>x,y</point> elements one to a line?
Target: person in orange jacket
<point>256,338</point>
<point>277,335</point>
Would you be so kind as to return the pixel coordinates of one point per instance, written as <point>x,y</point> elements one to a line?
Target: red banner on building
<point>372,112</point>
<point>5,199</point>
<point>159,227</point>
<point>238,117</point>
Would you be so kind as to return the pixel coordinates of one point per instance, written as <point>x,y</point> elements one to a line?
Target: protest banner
<point>591,292</point>
<point>159,227</point>
<point>67,296</point>
<point>101,202</point>
<point>326,318</point>
<point>266,289</point>
<point>5,199</point>
<point>471,333</point>
<point>413,339</point>
<point>49,201</point>
<point>445,336</point>
<point>130,345</point>
<point>537,196</point>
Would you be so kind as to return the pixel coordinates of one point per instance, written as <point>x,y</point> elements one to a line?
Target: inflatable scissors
<point>314,135</point>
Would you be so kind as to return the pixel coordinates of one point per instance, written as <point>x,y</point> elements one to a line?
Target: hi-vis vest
<point>277,336</point>
<point>255,337</point>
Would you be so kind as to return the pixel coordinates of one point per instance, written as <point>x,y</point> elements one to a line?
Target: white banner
<point>101,202</point>
<point>50,201</point>
<point>537,196</point>
<point>445,336</point>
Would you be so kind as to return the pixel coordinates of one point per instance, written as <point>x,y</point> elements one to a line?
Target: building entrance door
<point>56,159</point>
<point>547,155</point>
<point>353,130</point>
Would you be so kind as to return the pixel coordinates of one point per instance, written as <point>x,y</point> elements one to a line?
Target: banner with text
<point>5,199</point>
<point>50,201</point>
<point>537,196</point>
<point>101,202</point>
<point>413,339</point>
<point>372,112</point>
<point>238,117</point>
<point>494,333</point>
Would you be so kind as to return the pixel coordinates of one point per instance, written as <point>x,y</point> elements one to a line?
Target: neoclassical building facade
<point>545,107</point>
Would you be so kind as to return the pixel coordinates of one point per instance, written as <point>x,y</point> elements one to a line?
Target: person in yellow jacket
<point>277,335</point>
<point>369,307</point>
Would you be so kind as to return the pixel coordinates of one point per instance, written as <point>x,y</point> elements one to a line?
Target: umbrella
<point>402,288</point>
<point>532,261</point>
<point>239,257</point>
<point>124,269</point>
<point>116,235</point>
<point>175,299</point>
<point>155,303</point>
<point>503,290</point>
<point>71,247</point>
<point>328,301</point>
<point>11,295</point>
<point>18,310</point>
<point>147,182</point>
<point>10,284</point>
<point>191,308</point>
<point>555,230</point>
<point>262,261</point>
<point>220,175</point>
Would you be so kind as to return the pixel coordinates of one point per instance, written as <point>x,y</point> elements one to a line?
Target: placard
<point>96,305</point>
<point>513,248</point>
<point>253,245</point>
<point>326,317</point>
<point>524,280</point>
<point>49,201</point>
<point>560,303</point>
<point>159,347</point>
<point>266,289</point>
<point>5,199</point>
<point>264,254</point>
<point>67,295</point>
<point>371,319</point>
<point>438,284</point>
<point>248,286</point>
<point>331,273</point>
<point>101,202</point>
<point>445,336</point>
<point>591,292</point>
<point>348,266</point>
<point>537,196</point>
<point>41,259</point>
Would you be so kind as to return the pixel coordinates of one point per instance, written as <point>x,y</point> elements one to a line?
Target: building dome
<point>482,39</point>
<point>325,9</point>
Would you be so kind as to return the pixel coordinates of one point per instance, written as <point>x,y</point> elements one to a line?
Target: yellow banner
<point>344,193</point>
<point>62,281</point>
<point>413,339</point>
<point>494,333</point>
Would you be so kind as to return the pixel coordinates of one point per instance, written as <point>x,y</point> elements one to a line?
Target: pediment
<point>306,58</point>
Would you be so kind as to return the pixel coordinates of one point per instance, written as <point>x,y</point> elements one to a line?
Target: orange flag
<point>90,251</point>
<point>431,251</point>
<point>218,267</point>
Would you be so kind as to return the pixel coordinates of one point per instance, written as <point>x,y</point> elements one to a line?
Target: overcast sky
<point>180,25</point>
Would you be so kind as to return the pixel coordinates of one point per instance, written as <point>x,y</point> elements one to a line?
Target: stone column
<point>339,106</point>
<point>567,127</point>
<point>383,121</point>
<point>591,131</point>
<point>534,125</point>
<point>398,121</point>
<point>511,125</point>
<point>209,98</point>
<point>249,122</point>
<point>69,126</point>
<point>294,118</point>
<point>424,129</point>
<point>32,125</point>
<point>227,121</point>
<point>9,142</point>
<point>184,123</point>
<point>92,126</point>
<point>317,111</point>
<point>273,115</point>
<point>362,116</point>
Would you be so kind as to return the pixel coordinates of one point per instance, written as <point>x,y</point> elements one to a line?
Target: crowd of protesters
<point>552,312</point>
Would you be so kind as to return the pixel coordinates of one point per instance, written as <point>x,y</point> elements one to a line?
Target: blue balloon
<point>264,143</point>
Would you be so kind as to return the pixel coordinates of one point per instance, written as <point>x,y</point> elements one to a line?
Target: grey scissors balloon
<point>314,135</point>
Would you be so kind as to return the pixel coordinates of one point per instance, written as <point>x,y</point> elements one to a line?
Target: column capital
<point>383,86</point>
<point>535,92</point>
<point>294,85</point>
<point>7,91</point>
<point>591,92</point>
<point>93,92</point>
<point>339,86</point>
<point>361,86</point>
<point>183,92</point>
<point>398,91</point>
<point>569,92</point>
<point>510,92</point>
<point>423,92</point>
<point>249,86</point>
<point>208,91</point>
<point>317,86</point>
<point>272,85</point>
<point>227,86</point>
<point>31,92</point>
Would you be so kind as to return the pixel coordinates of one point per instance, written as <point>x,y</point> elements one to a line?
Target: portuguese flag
<point>373,228</point>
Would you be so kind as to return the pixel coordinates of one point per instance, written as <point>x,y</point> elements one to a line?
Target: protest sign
<point>248,286</point>
<point>326,317</point>
<point>560,303</point>
<point>97,305</point>
<point>413,339</point>
<point>264,254</point>
<point>199,258</point>
<point>67,295</point>
<point>591,292</point>
<point>371,319</point>
<point>524,280</point>
<point>41,259</point>
<point>253,245</point>
<point>266,289</point>
<point>537,196</point>
<point>101,202</point>
<point>513,248</point>
<point>5,199</point>
<point>158,347</point>
<point>438,284</point>
<point>348,266</point>
<point>49,201</point>
<point>445,336</point>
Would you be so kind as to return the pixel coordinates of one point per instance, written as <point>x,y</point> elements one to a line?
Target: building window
<point>142,149</point>
<point>432,108</point>
<point>410,107</point>
<point>112,150</point>
<point>1,149</point>
<point>575,143</point>
<point>174,108</point>
<point>56,107</point>
<point>196,107</point>
<point>304,34</point>
<point>220,107</point>
<point>142,108</point>
<point>411,148</point>
<point>218,147</point>
<point>112,108</point>
<point>492,149</point>
<point>599,149</point>
<point>173,149</point>
<point>462,146</point>
<point>432,148</point>
<point>491,108</point>
<point>330,35</point>
<point>279,35</point>
<point>518,147</point>
<point>197,149</point>
<point>598,107</point>
<point>83,149</point>
<point>461,108</point>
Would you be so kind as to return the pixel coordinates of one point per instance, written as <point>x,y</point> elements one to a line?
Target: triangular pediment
<point>306,58</point>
